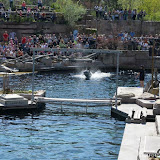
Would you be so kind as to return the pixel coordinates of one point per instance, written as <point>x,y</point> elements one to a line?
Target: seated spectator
<point>43,16</point>
<point>19,53</point>
<point>132,34</point>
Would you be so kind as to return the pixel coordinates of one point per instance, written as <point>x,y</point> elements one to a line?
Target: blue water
<point>70,134</point>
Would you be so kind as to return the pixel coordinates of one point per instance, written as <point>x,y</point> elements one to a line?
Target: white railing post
<point>33,69</point>
<point>117,79</point>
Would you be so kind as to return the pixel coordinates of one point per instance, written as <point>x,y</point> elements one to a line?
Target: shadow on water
<point>22,113</point>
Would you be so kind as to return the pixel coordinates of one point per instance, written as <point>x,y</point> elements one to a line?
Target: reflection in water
<point>69,134</point>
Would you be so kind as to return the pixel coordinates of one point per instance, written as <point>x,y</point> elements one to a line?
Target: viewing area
<point>35,7</point>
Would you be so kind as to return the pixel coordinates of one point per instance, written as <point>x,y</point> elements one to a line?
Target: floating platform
<point>19,101</point>
<point>132,100</point>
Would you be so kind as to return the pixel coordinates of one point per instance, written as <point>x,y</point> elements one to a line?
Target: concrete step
<point>152,144</point>
<point>157,121</point>
<point>145,103</point>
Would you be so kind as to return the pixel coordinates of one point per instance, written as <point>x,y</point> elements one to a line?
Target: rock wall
<point>27,28</point>
<point>130,60</point>
<point>104,27</point>
<point>114,27</point>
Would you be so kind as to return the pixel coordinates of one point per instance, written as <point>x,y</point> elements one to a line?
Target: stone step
<point>145,103</point>
<point>152,145</point>
<point>158,125</point>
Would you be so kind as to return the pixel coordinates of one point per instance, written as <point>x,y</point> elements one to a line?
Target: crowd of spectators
<point>119,14</point>
<point>35,13</point>
<point>11,46</point>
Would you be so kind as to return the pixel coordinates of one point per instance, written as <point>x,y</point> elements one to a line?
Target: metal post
<point>33,76</point>
<point>117,78</point>
<point>86,107</point>
<point>61,107</point>
<point>153,62</point>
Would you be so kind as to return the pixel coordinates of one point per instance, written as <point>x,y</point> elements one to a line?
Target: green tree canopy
<point>72,11</point>
<point>152,7</point>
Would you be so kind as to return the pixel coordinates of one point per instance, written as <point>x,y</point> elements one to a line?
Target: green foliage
<point>150,6</point>
<point>72,11</point>
<point>111,4</point>
<point>18,19</point>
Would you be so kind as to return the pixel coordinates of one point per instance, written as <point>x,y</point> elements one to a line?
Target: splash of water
<point>95,75</point>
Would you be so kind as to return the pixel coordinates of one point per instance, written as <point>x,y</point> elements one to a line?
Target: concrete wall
<point>130,60</point>
<point>27,28</point>
<point>139,27</point>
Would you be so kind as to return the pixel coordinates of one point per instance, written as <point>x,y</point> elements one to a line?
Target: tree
<point>151,7</point>
<point>126,4</point>
<point>72,11</point>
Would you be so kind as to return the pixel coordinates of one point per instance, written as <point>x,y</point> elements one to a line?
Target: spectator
<point>53,17</point>
<point>11,4</point>
<point>12,35</point>
<point>39,3</point>
<point>132,34</point>
<point>125,14</point>
<point>1,5</point>
<point>97,11</point>
<point>5,36</point>
<point>23,6</point>
<point>134,14</point>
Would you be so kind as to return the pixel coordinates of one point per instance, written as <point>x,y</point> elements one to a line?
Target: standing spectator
<point>23,6</point>
<point>125,14</point>
<point>23,41</point>
<point>129,14</point>
<point>12,35</point>
<point>121,14</point>
<point>97,11</point>
<point>141,76</point>
<point>1,5</point>
<point>11,4</point>
<point>100,11</point>
<point>5,36</point>
<point>134,14</point>
<point>53,17</point>
<point>39,3</point>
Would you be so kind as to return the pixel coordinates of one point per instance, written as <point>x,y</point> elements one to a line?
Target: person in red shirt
<point>23,6</point>
<point>5,36</point>
<point>23,40</point>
